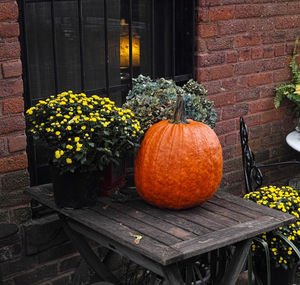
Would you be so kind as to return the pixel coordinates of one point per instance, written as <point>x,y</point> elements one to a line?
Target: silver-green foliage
<point>153,101</point>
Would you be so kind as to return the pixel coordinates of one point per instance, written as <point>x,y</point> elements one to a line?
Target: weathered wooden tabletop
<point>171,236</point>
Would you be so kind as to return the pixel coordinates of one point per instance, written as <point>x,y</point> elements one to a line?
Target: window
<point>97,46</point>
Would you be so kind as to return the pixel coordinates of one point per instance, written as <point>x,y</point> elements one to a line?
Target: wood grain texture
<point>169,236</point>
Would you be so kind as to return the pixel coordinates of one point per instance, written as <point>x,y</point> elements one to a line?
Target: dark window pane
<point>39,50</point>
<point>163,38</point>
<point>183,37</point>
<point>94,47</point>
<point>67,46</point>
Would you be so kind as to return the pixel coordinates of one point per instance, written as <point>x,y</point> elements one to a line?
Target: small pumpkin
<point>179,164</point>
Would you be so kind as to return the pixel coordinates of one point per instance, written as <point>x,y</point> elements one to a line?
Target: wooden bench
<point>161,240</point>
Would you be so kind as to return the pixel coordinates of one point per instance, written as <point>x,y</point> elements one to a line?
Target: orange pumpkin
<point>179,164</point>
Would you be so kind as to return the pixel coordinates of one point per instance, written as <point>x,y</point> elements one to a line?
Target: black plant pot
<point>279,276</point>
<point>75,190</point>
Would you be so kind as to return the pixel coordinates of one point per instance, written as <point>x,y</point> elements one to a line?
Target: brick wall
<point>13,159</point>
<point>243,52</point>
<point>28,257</point>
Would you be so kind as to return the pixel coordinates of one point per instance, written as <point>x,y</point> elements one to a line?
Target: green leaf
<point>267,253</point>
<point>290,243</point>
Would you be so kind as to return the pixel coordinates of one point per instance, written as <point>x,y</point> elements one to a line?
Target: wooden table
<point>169,238</point>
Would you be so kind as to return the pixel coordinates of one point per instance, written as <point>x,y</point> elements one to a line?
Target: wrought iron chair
<point>252,172</point>
<point>254,179</point>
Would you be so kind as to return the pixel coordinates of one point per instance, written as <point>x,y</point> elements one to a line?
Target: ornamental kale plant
<point>290,90</point>
<point>154,101</point>
<point>84,133</point>
<point>281,240</point>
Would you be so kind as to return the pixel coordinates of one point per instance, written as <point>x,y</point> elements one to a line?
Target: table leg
<point>172,275</point>
<point>236,265</point>
<point>88,254</point>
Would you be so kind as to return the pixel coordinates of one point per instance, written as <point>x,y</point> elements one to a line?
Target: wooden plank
<point>247,204</point>
<point>168,216</point>
<point>237,263</point>
<point>206,212</point>
<point>137,225</point>
<point>117,247</point>
<point>238,217</point>
<point>228,236</point>
<point>116,231</point>
<point>234,209</point>
<point>148,219</point>
<point>207,223</point>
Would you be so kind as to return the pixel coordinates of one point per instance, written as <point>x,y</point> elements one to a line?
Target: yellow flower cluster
<point>287,200</point>
<point>297,89</point>
<point>82,129</point>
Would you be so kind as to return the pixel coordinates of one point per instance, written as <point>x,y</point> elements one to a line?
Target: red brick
<point>202,15</point>
<point>11,87</point>
<point>270,116</point>
<point>270,37</point>
<point>231,56</point>
<point>261,105</point>
<point>256,53</point>
<point>213,87</point>
<point>223,99</point>
<point>281,75</point>
<point>9,30</point>
<point>220,13</point>
<point>274,63</point>
<point>8,11</point>
<point>9,50</point>
<point>244,54</point>
<point>17,143</point>
<point>260,79</point>
<point>207,30</point>
<point>201,45</point>
<point>247,40</point>
<point>235,111</point>
<point>13,105</point>
<point>225,127</point>
<point>232,139</point>
<point>248,67</point>
<point>14,162</point>
<point>248,11</point>
<point>202,75</point>
<point>232,27</point>
<point>12,124</point>
<point>260,24</point>
<point>279,50</point>
<point>268,52</point>
<point>222,71</point>
<point>252,120</point>
<point>3,147</point>
<point>293,8</point>
<point>247,95</point>
<point>12,69</point>
<point>287,22</point>
<point>206,59</point>
<point>219,43</point>
<point>275,9</point>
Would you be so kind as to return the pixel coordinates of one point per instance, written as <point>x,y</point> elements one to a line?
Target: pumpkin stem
<point>179,113</point>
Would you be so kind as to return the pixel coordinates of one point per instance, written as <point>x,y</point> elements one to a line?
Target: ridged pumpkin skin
<point>178,166</point>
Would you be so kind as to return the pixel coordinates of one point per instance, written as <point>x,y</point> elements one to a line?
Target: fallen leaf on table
<point>50,194</point>
<point>105,207</point>
<point>137,238</point>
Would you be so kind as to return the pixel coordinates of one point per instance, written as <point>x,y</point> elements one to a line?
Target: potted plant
<point>85,135</point>
<point>291,90</point>
<point>154,101</point>
<point>282,243</point>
